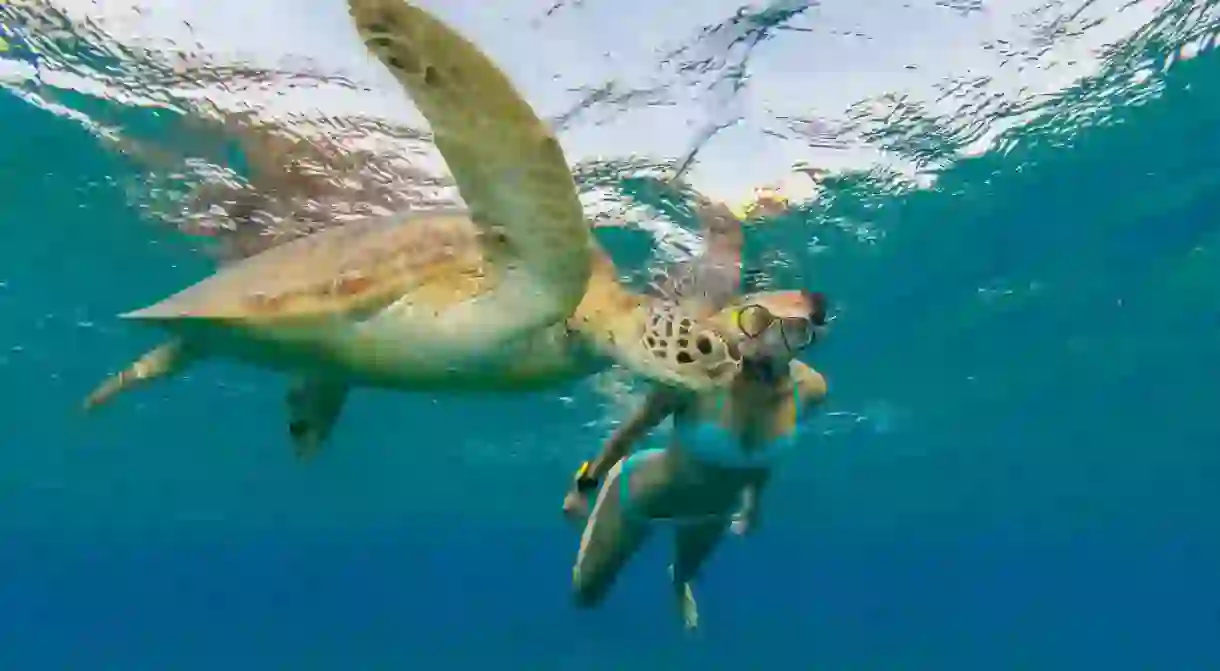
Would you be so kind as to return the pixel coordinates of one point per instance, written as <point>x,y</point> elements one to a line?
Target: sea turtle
<point>512,294</point>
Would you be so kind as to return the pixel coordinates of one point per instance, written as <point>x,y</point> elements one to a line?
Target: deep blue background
<point>1029,481</point>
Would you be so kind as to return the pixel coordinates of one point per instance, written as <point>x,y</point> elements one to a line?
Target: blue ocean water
<point>1021,474</point>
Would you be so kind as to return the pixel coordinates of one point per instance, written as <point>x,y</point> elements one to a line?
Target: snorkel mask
<point>756,321</point>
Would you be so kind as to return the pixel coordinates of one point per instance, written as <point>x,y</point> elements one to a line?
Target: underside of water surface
<point>1015,468</point>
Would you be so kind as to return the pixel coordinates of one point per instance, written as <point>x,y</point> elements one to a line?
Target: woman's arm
<point>811,385</point>
<point>659,404</point>
<point>747,517</point>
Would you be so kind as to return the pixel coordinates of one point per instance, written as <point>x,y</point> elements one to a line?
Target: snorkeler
<point>721,453</point>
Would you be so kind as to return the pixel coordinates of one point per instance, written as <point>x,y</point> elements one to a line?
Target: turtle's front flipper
<point>167,359</point>
<point>314,405</point>
<point>708,282</point>
<point>506,161</point>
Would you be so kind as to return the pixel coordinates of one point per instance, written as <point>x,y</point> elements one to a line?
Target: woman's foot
<point>686,603</point>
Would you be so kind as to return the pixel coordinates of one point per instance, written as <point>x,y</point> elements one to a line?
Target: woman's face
<point>777,326</point>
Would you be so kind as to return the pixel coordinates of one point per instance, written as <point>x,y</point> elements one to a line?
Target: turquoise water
<point>1018,471</point>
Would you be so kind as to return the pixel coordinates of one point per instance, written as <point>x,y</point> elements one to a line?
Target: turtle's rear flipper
<point>167,359</point>
<point>314,405</point>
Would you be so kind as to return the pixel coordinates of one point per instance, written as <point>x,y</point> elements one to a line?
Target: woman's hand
<point>745,522</point>
<point>576,506</point>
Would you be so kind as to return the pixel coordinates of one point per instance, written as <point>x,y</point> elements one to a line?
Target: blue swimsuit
<point>710,443</point>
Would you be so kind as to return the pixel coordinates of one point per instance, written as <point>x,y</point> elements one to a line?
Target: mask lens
<point>753,320</point>
<point>798,332</point>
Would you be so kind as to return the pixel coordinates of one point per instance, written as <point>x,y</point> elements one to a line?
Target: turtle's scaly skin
<point>386,299</point>
<point>506,161</point>
<point>487,299</point>
<point>396,278</point>
<point>443,250</point>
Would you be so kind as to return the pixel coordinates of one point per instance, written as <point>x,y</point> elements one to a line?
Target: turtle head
<point>759,332</point>
<point>686,352</point>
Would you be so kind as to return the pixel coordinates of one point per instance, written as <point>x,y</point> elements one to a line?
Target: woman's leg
<point>615,530</point>
<point>694,543</point>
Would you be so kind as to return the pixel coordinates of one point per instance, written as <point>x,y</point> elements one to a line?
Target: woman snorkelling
<point>720,455</point>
